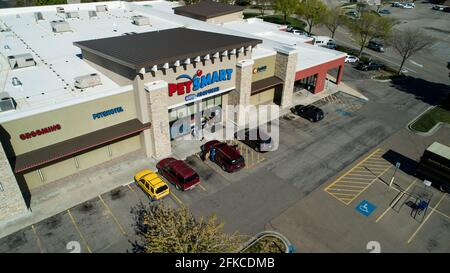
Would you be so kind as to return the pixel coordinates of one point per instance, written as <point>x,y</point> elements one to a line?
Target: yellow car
<point>152,184</point>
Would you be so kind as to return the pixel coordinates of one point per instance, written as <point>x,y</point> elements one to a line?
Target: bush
<point>278,19</point>
<point>250,15</point>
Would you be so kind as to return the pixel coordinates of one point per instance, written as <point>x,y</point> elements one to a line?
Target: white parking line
<point>413,62</point>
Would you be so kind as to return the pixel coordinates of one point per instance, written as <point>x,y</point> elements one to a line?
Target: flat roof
<point>439,149</point>
<point>159,47</point>
<point>208,9</point>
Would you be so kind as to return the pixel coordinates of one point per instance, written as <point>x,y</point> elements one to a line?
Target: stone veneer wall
<point>157,102</point>
<point>11,199</point>
<point>285,68</point>
<point>241,96</point>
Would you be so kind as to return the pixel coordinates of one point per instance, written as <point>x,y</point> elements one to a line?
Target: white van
<point>322,40</point>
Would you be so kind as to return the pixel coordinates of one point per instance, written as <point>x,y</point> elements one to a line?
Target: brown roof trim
<point>207,9</point>
<point>71,147</point>
<point>264,84</point>
<point>158,47</point>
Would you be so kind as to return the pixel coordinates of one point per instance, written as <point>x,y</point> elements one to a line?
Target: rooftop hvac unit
<point>7,103</point>
<point>101,8</point>
<point>72,15</point>
<point>140,20</point>
<point>60,26</point>
<point>92,14</point>
<point>86,81</point>
<point>21,61</point>
<point>59,10</point>
<point>38,16</point>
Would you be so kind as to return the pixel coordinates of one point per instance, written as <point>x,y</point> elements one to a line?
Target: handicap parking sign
<point>365,208</point>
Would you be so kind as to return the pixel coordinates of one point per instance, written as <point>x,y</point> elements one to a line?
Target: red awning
<point>71,147</point>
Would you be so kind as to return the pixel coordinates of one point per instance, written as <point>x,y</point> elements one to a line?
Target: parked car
<point>178,173</point>
<point>384,11</point>
<point>375,45</point>
<point>256,138</point>
<point>397,5</point>
<point>330,45</point>
<point>351,59</point>
<point>370,65</point>
<point>309,112</point>
<point>224,155</point>
<point>446,9</point>
<point>408,6</point>
<point>299,32</point>
<point>151,184</point>
<point>437,7</point>
<point>322,40</point>
<point>352,14</point>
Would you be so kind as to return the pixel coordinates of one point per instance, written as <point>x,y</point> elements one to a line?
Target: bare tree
<point>408,42</point>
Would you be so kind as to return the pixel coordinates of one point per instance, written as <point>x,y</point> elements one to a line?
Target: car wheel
<point>223,168</point>
<point>177,187</point>
<point>445,188</point>
<point>257,149</point>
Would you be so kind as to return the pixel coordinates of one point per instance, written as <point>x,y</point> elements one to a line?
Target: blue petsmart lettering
<point>107,113</point>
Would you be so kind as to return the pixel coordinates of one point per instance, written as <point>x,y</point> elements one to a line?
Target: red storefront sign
<point>39,132</point>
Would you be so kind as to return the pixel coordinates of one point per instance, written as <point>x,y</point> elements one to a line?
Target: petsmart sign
<point>200,84</point>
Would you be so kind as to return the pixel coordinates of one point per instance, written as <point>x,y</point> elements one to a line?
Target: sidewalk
<point>68,192</point>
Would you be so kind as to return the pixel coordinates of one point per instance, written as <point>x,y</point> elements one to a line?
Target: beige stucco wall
<point>75,120</point>
<point>226,18</point>
<point>269,62</point>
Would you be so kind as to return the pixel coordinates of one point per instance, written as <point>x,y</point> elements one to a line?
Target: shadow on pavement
<point>426,91</point>
<point>407,165</point>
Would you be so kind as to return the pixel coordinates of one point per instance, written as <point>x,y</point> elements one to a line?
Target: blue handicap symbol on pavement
<point>365,208</point>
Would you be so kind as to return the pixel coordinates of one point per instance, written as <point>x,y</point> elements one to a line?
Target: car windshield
<point>266,141</point>
<point>237,160</point>
<point>161,189</point>
<point>190,178</point>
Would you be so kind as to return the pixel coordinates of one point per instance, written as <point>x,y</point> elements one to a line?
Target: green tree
<point>263,5</point>
<point>409,42</point>
<point>286,8</point>
<point>369,26</point>
<point>48,2</point>
<point>169,230</point>
<point>190,2</point>
<point>313,12</point>
<point>333,20</point>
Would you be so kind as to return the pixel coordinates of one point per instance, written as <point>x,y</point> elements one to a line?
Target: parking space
<point>252,157</point>
<point>357,179</point>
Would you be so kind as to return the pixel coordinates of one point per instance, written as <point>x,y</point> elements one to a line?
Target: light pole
<point>397,166</point>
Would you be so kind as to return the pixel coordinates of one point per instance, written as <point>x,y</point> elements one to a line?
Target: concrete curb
<point>377,80</point>
<point>432,130</point>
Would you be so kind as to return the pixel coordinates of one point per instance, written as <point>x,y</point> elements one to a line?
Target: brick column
<point>339,75</point>
<point>285,68</point>
<point>241,96</point>
<point>157,102</point>
<point>140,98</point>
<point>11,199</point>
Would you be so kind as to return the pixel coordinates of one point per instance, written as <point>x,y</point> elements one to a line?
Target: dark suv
<point>224,155</point>
<point>309,112</point>
<point>178,173</point>
<point>369,65</point>
<point>256,138</point>
<point>377,46</point>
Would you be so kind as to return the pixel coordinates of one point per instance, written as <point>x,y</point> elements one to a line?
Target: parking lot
<point>364,204</point>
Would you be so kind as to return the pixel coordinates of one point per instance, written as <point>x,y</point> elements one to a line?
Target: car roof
<point>154,180</point>
<point>181,168</point>
<point>228,151</point>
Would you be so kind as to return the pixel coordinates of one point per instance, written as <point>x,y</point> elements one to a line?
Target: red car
<point>178,173</point>
<point>226,156</point>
